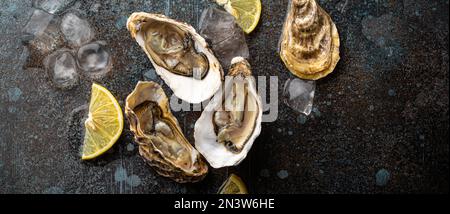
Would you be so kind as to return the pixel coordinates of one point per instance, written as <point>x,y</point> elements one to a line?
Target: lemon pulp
<point>246,12</point>
<point>233,185</point>
<point>104,124</point>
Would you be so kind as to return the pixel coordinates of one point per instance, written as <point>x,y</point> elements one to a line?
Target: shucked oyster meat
<point>180,56</point>
<point>161,142</point>
<point>231,121</point>
<point>309,45</point>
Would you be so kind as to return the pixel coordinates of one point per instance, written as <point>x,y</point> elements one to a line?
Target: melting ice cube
<point>46,34</point>
<point>226,38</point>
<point>42,37</point>
<point>62,69</point>
<point>38,23</point>
<point>77,31</point>
<point>52,6</point>
<point>94,59</point>
<point>299,94</point>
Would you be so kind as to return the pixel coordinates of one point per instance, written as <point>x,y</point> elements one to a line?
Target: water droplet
<point>14,94</point>
<point>121,22</point>
<point>282,174</point>
<point>302,119</point>
<point>120,174</point>
<point>12,109</point>
<point>95,7</point>
<point>316,111</point>
<point>150,74</point>
<point>382,177</point>
<point>391,92</point>
<point>54,190</point>
<point>134,181</point>
<point>130,147</point>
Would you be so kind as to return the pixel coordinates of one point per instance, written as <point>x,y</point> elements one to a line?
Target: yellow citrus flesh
<point>246,12</point>
<point>233,185</point>
<point>104,124</point>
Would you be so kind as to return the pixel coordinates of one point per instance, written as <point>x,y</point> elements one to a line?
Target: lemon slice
<point>246,12</point>
<point>233,185</point>
<point>104,124</point>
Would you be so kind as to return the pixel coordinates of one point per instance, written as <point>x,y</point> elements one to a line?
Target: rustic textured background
<point>384,109</point>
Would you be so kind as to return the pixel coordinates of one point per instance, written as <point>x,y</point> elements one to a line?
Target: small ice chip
<point>299,94</point>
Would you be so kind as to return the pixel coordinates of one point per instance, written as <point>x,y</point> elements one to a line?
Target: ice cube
<point>62,69</point>
<point>42,37</point>
<point>94,59</point>
<point>38,23</point>
<point>48,41</point>
<point>215,24</point>
<point>299,94</point>
<point>76,30</point>
<point>53,6</point>
<point>226,38</point>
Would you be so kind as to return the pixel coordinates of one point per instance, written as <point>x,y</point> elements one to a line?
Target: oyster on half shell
<point>180,56</point>
<point>231,121</point>
<point>161,142</point>
<point>309,45</point>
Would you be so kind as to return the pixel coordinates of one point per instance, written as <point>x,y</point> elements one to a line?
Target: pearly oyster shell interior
<point>231,122</point>
<point>179,54</point>
<point>309,45</point>
<point>161,142</point>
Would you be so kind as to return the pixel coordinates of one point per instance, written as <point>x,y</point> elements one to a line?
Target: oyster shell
<point>161,142</point>
<point>309,46</point>
<point>180,56</point>
<point>231,121</point>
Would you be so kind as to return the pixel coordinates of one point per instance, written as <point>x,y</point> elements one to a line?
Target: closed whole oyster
<point>179,54</point>
<point>158,134</point>
<point>309,45</point>
<point>231,121</point>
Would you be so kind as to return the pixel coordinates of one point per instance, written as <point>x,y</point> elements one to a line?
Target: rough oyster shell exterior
<point>309,45</point>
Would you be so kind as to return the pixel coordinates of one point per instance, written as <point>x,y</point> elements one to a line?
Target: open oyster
<point>309,45</point>
<point>161,142</point>
<point>231,121</point>
<point>180,56</point>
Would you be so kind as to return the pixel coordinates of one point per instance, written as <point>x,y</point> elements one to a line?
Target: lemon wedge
<point>104,124</point>
<point>246,12</point>
<point>233,185</point>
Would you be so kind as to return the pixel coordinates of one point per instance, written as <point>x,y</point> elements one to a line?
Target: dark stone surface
<point>384,107</point>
